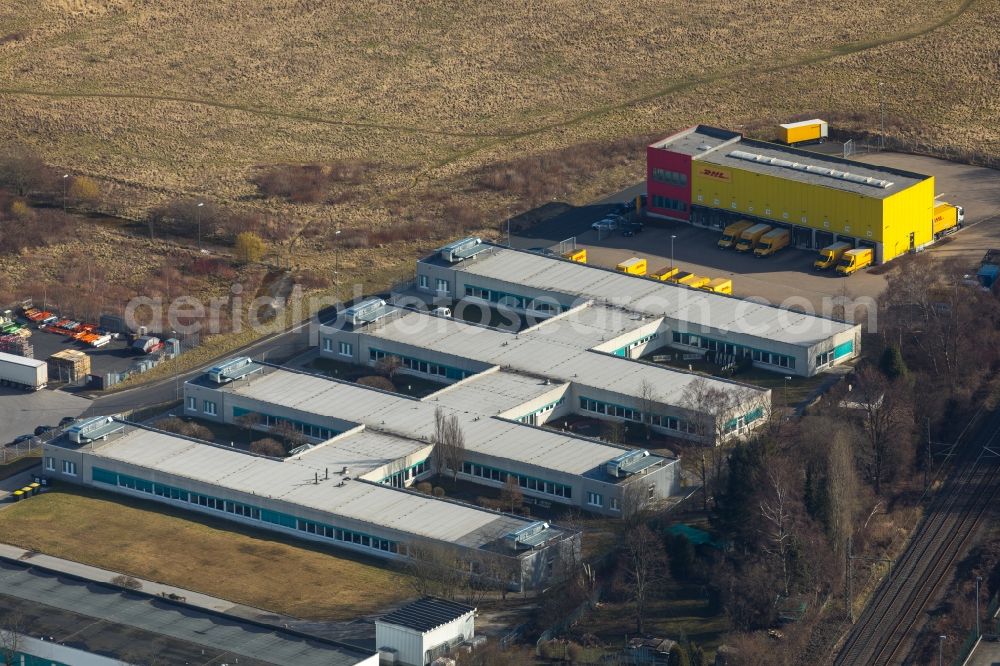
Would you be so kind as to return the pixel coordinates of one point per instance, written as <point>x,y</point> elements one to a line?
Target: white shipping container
<point>23,372</point>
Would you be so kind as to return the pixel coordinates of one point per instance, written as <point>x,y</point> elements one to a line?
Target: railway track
<point>882,631</point>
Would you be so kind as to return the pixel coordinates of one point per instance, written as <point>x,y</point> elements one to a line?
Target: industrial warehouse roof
<point>105,620</point>
<point>293,480</point>
<point>725,148</point>
<point>426,614</point>
<point>698,140</point>
<point>473,402</point>
<point>558,349</point>
<point>714,312</point>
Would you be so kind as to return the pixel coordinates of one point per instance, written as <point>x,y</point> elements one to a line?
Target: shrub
<point>249,247</point>
<point>85,191</point>
<point>268,447</point>
<point>127,582</point>
<point>438,491</point>
<point>424,487</point>
<point>186,428</point>
<point>377,381</point>
<point>308,183</point>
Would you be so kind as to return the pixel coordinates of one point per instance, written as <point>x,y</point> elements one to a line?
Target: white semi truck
<point>23,373</point>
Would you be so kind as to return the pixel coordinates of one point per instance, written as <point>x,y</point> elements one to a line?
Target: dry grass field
<point>206,555</point>
<point>195,99</point>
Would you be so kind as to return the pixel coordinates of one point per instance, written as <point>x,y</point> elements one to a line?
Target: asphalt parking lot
<point>21,412</point>
<point>786,278</point>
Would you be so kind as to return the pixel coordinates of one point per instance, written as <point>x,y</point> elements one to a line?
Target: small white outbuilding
<point>417,633</point>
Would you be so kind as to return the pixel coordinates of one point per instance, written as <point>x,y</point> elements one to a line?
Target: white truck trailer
<point>23,373</point>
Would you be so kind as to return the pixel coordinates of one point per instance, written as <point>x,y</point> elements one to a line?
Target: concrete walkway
<point>148,586</point>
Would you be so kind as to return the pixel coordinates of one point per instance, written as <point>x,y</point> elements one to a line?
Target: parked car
<point>42,429</point>
<point>66,420</point>
<point>21,439</point>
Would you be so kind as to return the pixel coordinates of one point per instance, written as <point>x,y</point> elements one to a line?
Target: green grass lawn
<point>199,553</point>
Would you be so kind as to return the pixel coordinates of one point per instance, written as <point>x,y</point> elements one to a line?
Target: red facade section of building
<point>672,183</point>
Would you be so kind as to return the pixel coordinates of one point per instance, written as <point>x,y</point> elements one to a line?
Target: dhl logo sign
<point>713,172</point>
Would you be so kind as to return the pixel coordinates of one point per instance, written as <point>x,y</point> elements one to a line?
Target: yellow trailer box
<point>579,256</point>
<point>750,237</point>
<point>830,255</point>
<point>694,281</point>
<point>679,275</point>
<point>720,286</point>
<point>633,266</point>
<point>772,241</point>
<point>664,273</point>
<point>731,234</point>
<point>947,219</point>
<point>855,260</point>
<point>804,130</point>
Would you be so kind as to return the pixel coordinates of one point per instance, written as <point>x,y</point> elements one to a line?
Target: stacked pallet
<point>69,365</point>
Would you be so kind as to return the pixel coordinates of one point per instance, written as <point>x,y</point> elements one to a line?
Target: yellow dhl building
<point>712,177</point>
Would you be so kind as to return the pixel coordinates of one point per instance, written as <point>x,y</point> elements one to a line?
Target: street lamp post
<point>787,379</point>
<point>979,579</point>
<point>336,251</point>
<point>672,237</point>
<point>198,215</point>
<point>65,180</point>
<point>941,649</point>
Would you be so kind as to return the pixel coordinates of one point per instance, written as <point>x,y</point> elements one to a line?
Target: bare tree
<point>127,582</point>
<point>389,366</point>
<point>292,438</point>
<point>885,417</point>
<point>13,625</point>
<point>248,421</point>
<point>842,487</point>
<point>647,403</point>
<point>268,447</point>
<point>434,570</point>
<point>776,518</point>
<point>449,443</point>
<point>511,496</point>
<point>614,432</point>
<point>644,564</point>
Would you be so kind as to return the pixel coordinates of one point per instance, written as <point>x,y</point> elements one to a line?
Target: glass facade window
<point>50,464</point>
<point>419,365</point>
<point>244,510</point>
<point>668,203</point>
<point>401,478</point>
<point>192,404</point>
<point>631,414</point>
<point>595,499</point>
<point>670,177</point>
<point>442,285</point>
<point>529,417</point>
<point>69,468</point>
<point>423,282</point>
<point>345,349</point>
<point>328,344</point>
<point>526,482</point>
<point>209,407</point>
<point>515,301</point>
<point>740,351</point>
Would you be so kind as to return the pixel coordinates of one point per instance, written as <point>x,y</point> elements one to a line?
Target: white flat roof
<point>715,312</point>
<point>558,349</point>
<point>292,480</point>
<point>407,417</point>
<point>21,360</point>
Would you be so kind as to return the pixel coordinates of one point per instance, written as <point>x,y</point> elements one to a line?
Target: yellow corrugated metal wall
<point>888,220</point>
<point>911,210</point>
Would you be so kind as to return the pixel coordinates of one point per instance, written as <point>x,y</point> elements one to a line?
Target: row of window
<point>424,282</point>
<point>668,203</point>
<point>209,407</point>
<point>630,414</point>
<point>745,420</point>
<point>527,482</point>
<point>418,365</point>
<point>400,478</point>
<point>837,352</point>
<point>740,351</point>
<point>530,417</point>
<point>68,466</point>
<point>597,499</point>
<point>632,345</point>
<point>670,177</point>
<point>244,510</point>
<point>513,300</point>
<point>343,348</point>
<point>307,429</point>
